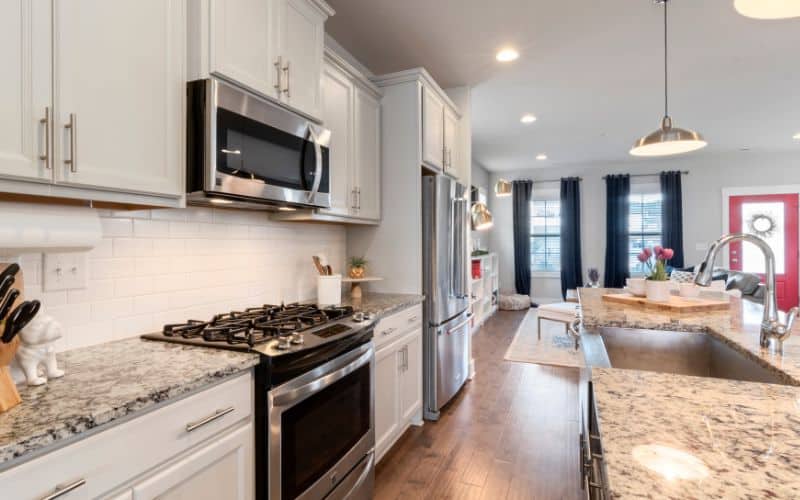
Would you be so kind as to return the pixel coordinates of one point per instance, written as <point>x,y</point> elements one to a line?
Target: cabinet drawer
<point>392,327</point>
<point>111,458</point>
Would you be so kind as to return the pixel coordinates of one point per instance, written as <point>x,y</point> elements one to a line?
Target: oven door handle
<point>289,396</point>
<point>368,466</point>
<point>318,169</point>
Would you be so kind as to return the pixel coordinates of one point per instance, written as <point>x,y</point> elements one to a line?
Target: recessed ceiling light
<point>796,136</point>
<point>541,156</point>
<point>768,9</point>
<point>527,119</point>
<point>507,55</point>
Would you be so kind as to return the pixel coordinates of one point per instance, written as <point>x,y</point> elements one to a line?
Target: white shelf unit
<point>485,287</point>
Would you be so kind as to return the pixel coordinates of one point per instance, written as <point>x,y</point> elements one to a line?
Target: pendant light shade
<point>481,217</point>
<point>768,9</point>
<point>667,140</point>
<point>502,188</point>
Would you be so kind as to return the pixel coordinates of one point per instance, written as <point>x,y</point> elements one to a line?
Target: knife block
<point>9,396</point>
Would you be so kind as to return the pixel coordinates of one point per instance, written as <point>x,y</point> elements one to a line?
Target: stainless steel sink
<point>683,353</point>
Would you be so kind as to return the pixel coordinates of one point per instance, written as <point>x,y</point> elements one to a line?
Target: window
<point>546,236</point>
<point>644,226</point>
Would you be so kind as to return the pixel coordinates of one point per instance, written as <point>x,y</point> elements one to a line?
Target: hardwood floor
<point>511,433</point>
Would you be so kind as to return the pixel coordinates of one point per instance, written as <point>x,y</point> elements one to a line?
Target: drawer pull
<point>413,319</point>
<point>388,331</point>
<point>63,490</point>
<point>217,415</point>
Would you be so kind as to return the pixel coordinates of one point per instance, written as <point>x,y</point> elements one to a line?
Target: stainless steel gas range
<point>314,397</point>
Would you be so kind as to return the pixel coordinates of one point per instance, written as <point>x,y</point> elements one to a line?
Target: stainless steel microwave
<point>245,151</point>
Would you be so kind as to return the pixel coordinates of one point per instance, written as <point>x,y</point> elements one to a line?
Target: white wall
<point>702,202</point>
<point>161,266</point>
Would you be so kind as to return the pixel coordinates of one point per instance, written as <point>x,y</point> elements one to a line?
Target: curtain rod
<point>550,180</point>
<point>684,172</point>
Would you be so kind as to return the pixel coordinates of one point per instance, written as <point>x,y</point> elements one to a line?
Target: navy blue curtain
<point>618,190</point>
<point>521,193</point>
<point>571,268</point>
<point>672,216</point>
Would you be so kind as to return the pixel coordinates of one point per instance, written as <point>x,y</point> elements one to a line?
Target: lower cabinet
<point>398,388</point>
<point>200,447</point>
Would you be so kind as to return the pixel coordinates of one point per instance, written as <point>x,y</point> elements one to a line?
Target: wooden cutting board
<point>9,397</point>
<point>676,303</point>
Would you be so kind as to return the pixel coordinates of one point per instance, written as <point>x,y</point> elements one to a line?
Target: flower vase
<point>658,291</point>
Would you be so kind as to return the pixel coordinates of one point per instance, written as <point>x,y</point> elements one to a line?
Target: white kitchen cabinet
<point>222,469</point>
<point>337,115</point>
<point>432,128</point>
<point>25,89</point>
<point>238,41</point>
<point>155,454</point>
<point>451,142</point>
<point>367,179</point>
<point>398,377</point>
<point>119,94</point>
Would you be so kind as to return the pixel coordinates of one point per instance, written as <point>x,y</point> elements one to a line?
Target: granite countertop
<point>743,437</point>
<point>383,304</point>
<point>733,439</point>
<point>108,382</point>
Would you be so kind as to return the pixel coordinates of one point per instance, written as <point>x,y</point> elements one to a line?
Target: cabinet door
<point>337,116</point>
<point>25,89</point>
<point>368,154</point>
<point>120,72</point>
<point>432,128</point>
<point>387,412</point>
<point>221,469</point>
<point>451,144</point>
<point>411,379</point>
<point>239,43</point>
<point>300,30</point>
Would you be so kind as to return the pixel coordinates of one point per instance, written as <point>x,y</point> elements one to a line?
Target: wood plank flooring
<point>511,433</point>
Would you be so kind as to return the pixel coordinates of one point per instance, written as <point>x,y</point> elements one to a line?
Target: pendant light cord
<point>666,91</point>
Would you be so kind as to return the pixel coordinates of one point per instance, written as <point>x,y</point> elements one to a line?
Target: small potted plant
<point>594,277</point>
<point>358,267</point>
<point>657,283</point>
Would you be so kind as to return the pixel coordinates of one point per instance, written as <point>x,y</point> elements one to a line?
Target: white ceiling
<point>591,71</point>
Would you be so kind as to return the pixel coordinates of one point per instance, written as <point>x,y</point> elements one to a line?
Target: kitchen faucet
<point>771,327</point>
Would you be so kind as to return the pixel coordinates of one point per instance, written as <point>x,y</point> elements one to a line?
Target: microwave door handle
<point>318,170</point>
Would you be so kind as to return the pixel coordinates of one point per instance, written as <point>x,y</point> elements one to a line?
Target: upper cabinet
<point>351,110</point>
<point>272,47</point>
<point>93,102</point>
<point>451,141</point>
<point>433,152</point>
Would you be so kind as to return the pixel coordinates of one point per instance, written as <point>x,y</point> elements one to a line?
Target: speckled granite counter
<point>383,304</point>
<point>743,437</point>
<point>108,382</point>
<point>736,439</point>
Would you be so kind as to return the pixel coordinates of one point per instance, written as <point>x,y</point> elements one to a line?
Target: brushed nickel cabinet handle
<point>286,70</point>
<point>207,420</point>
<point>413,319</point>
<point>278,66</point>
<point>358,193</point>
<point>72,127</point>
<point>46,157</point>
<point>63,490</point>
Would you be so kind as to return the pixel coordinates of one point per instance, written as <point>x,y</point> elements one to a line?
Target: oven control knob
<point>283,343</point>
<point>296,338</point>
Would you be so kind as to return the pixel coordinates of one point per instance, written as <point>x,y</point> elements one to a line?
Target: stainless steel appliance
<point>446,283</point>
<point>314,401</point>
<point>245,151</point>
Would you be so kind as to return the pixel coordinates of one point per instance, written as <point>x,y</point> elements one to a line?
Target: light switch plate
<point>64,271</point>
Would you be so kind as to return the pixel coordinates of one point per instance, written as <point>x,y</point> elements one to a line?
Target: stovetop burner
<point>257,325</point>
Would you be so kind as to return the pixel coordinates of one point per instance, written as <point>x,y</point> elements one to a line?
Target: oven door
<point>260,151</point>
<point>321,428</point>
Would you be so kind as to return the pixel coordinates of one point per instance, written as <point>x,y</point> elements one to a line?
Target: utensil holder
<point>329,290</point>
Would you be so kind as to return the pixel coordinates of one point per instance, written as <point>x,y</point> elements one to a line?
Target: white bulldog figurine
<point>36,348</point>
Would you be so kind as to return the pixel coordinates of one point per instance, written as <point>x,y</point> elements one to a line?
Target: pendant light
<point>481,217</point>
<point>768,9</point>
<point>502,188</point>
<point>667,140</point>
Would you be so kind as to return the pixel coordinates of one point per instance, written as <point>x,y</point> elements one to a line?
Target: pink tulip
<point>647,252</point>
<point>657,250</point>
<point>667,253</point>
<point>643,257</point>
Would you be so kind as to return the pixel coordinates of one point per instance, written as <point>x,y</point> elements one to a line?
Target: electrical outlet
<point>64,271</point>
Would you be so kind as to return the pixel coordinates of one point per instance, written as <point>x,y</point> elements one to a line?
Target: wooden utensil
<point>9,397</point>
<point>318,265</point>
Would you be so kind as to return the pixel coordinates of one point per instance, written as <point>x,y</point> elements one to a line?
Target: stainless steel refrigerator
<point>446,283</point>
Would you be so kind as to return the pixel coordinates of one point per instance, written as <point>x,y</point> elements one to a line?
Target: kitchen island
<point>666,435</point>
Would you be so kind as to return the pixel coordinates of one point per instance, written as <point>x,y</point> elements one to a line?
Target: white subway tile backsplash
<point>154,267</point>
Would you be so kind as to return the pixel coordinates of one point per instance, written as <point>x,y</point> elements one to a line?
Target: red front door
<point>774,218</point>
